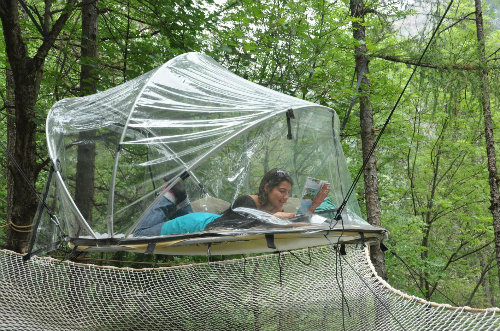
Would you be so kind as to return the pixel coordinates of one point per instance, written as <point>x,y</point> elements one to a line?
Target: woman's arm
<point>248,201</point>
<point>282,214</point>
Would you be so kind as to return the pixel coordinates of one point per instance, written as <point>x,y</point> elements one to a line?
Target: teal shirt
<point>189,223</point>
<point>327,204</point>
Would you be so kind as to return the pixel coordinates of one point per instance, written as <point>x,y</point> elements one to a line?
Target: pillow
<point>210,204</point>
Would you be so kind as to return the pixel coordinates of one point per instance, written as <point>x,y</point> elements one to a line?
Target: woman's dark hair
<point>272,178</point>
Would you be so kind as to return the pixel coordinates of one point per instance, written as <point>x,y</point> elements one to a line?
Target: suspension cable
<point>384,304</point>
<point>412,272</point>
<point>26,179</point>
<point>365,161</point>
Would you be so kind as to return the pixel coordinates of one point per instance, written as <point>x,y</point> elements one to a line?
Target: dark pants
<point>163,211</point>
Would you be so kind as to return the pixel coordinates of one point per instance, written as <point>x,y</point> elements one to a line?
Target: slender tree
<point>27,74</point>
<point>84,190</point>
<point>10,111</point>
<point>494,179</point>
<point>358,12</point>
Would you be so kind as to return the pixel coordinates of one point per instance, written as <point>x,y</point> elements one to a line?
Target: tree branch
<point>391,58</point>
<point>471,252</point>
<point>454,259</point>
<point>485,270</point>
<point>458,21</point>
<point>48,42</point>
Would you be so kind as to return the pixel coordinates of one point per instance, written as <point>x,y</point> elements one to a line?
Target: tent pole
<point>41,205</point>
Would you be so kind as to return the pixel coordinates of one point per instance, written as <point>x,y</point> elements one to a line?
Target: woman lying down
<point>173,214</point>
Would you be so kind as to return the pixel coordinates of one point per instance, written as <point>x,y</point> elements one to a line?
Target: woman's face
<point>279,195</point>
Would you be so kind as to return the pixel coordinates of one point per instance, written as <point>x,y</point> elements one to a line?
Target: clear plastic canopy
<point>191,119</point>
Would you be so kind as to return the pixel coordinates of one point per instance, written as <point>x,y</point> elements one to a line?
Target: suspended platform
<point>229,242</point>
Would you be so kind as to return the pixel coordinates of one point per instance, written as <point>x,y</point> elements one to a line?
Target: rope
<point>42,205</point>
<point>61,265</point>
<point>339,259</point>
<point>176,265</point>
<point>420,300</point>
<point>18,228</point>
<point>373,292</point>
<point>90,259</point>
<point>25,178</point>
<point>372,150</point>
<point>341,285</point>
<point>300,260</point>
<point>412,271</point>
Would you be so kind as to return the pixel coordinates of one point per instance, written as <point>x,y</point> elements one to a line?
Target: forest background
<point>432,188</point>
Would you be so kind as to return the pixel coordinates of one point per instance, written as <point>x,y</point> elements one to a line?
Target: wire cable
<point>372,150</point>
<point>412,272</point>
<point>25,178</point>
<point>374,294</point>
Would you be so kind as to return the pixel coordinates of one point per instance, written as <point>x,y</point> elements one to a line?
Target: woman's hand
<point>282,214</point>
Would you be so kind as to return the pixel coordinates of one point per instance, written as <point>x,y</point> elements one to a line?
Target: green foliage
<point>444,182</point>
<point>147,34</point>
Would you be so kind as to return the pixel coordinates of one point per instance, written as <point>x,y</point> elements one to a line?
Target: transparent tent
<point>193,121</point>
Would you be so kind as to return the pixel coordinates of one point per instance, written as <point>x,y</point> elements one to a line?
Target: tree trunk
<point>428,214</point>
<point>84,190</point>
<point>125,49</point>
<point>22,143</point>
<point>27,75</point>
<point>488,134</point>
<point>367,132</point>
<point>424,284</point>
<point>486,265</point>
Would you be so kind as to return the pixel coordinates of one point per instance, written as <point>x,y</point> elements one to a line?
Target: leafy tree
<point>84,182</point>
<point>27,71</point>
<point>371,190</point>
<point>494,179</point>
<point>443,192</point>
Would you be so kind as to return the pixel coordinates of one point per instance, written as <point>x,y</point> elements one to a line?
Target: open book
<point>313,194</point>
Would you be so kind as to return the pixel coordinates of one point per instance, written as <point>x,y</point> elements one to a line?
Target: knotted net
<point>311,289</point>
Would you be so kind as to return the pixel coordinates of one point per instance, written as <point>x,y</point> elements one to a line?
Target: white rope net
<point>315,289</point>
